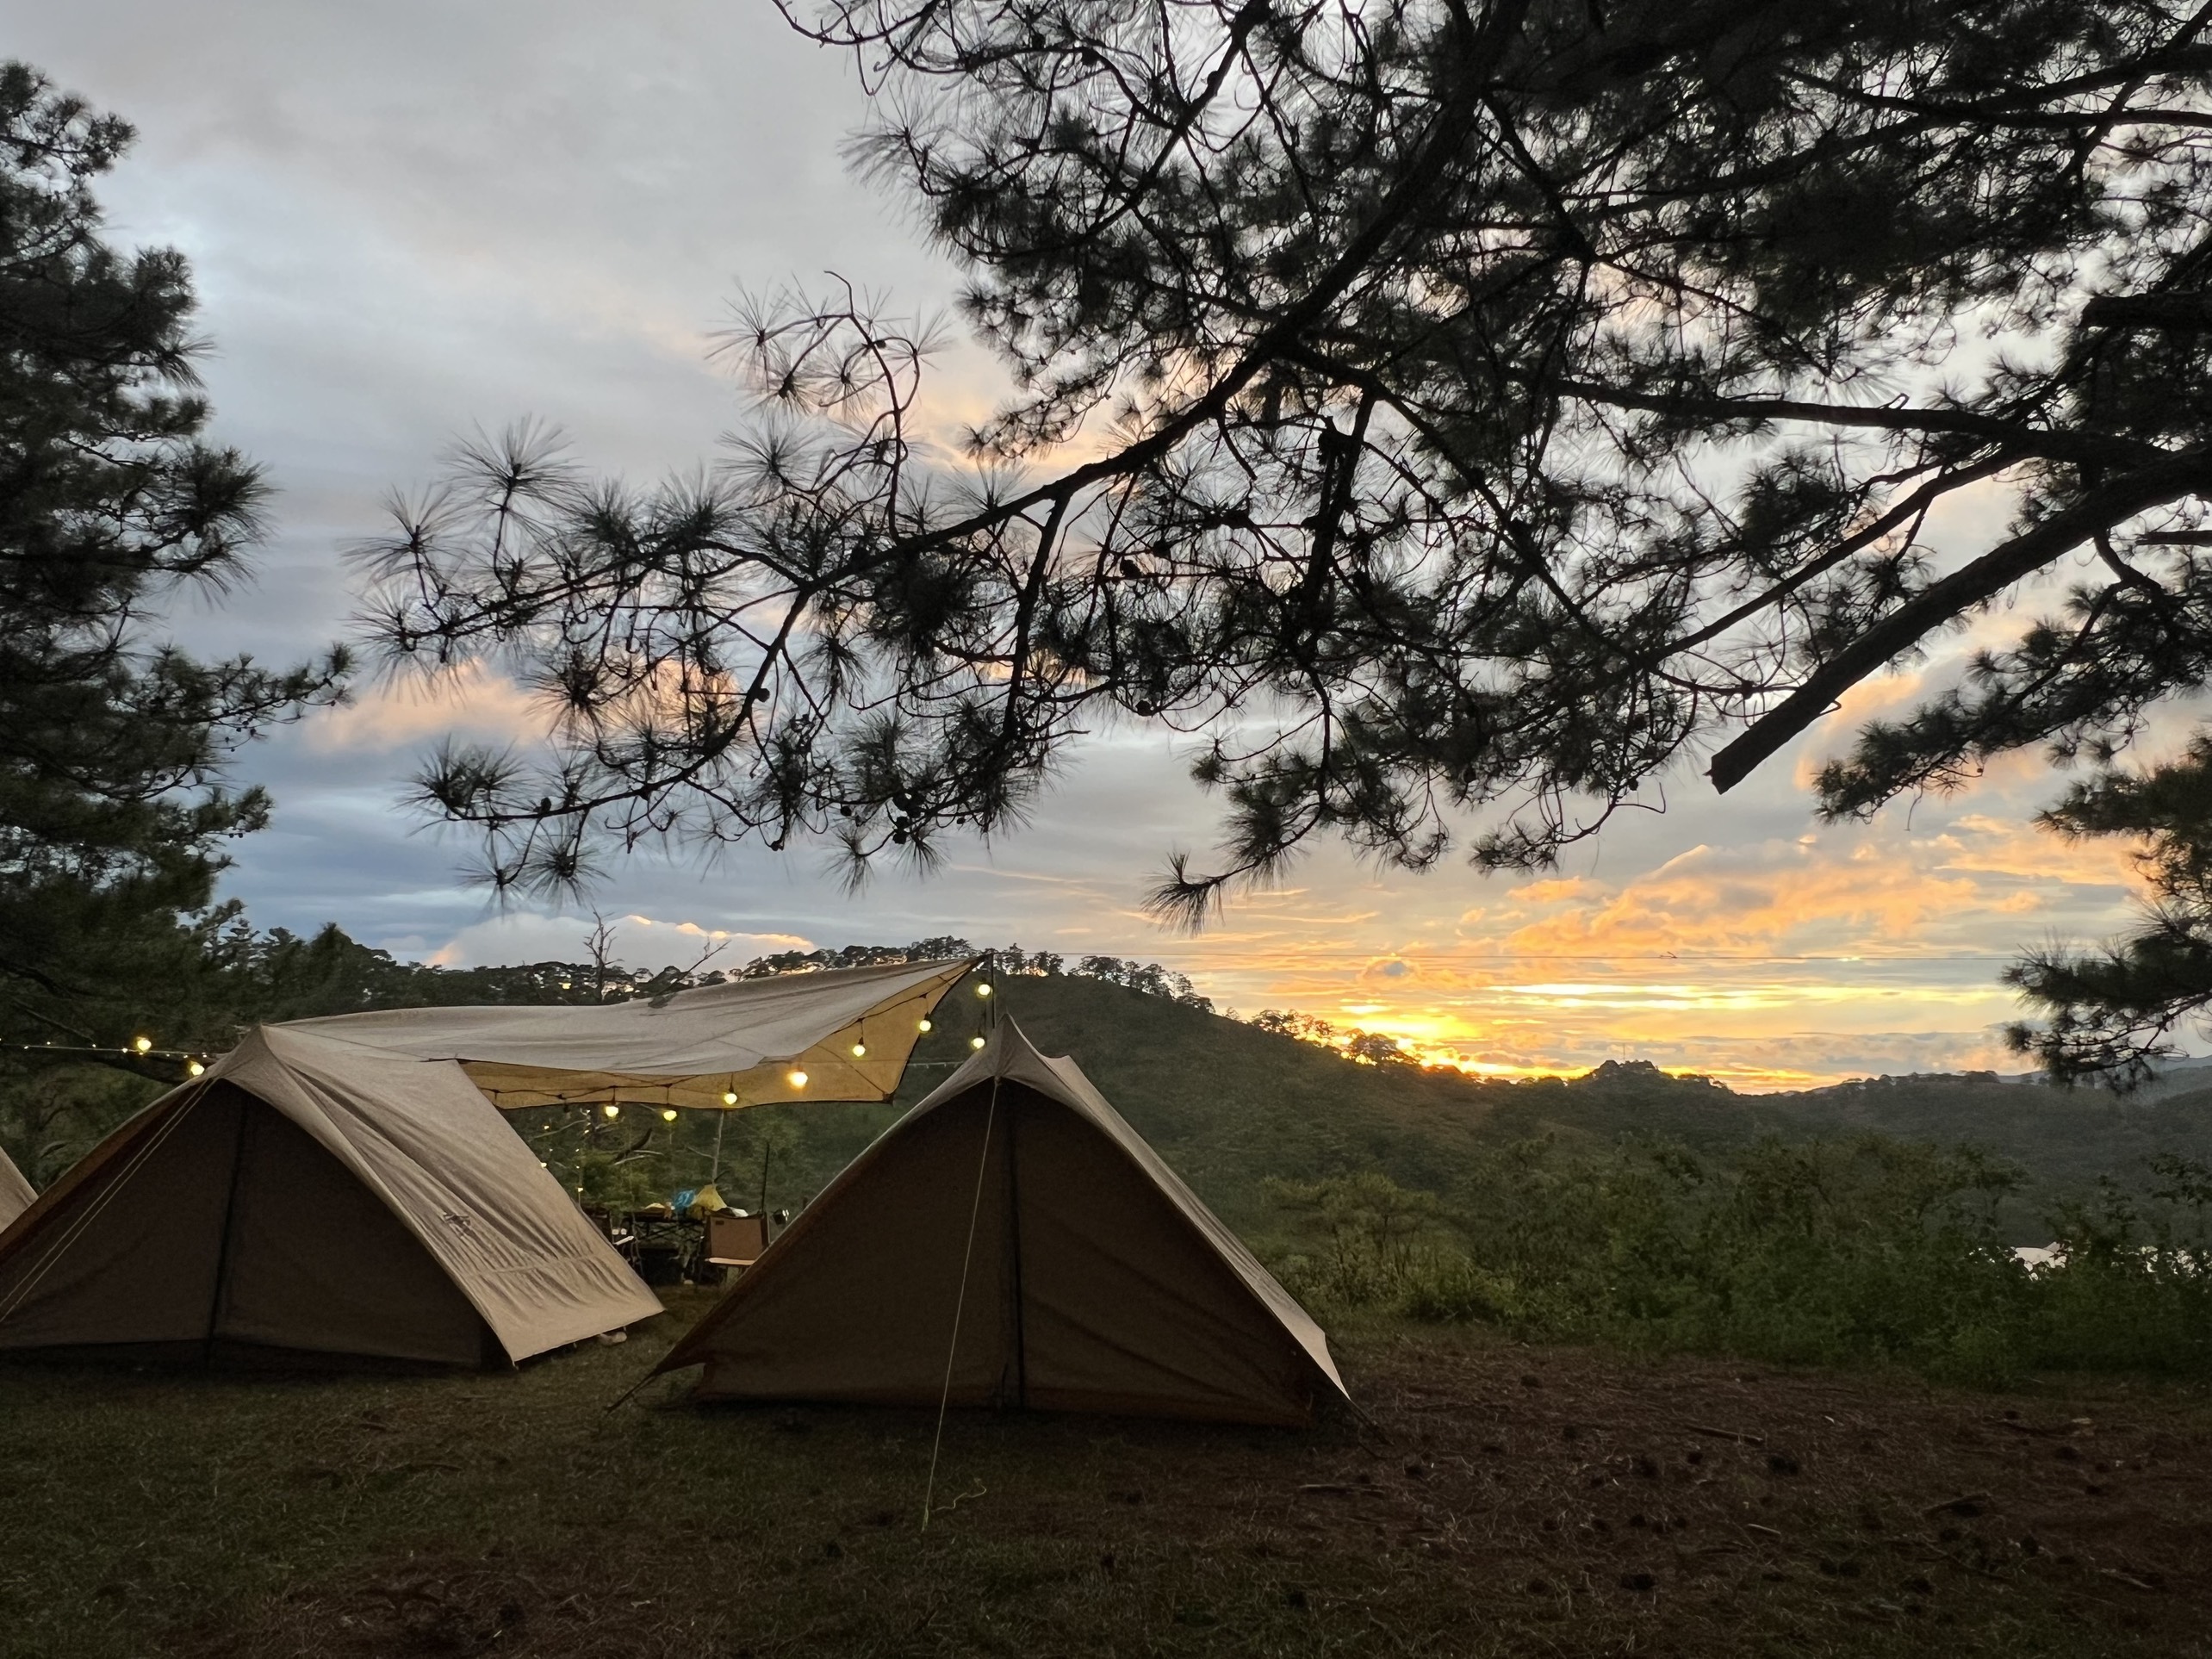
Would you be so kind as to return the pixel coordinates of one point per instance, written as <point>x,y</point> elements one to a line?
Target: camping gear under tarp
<point>1083,1274</point>
<point>307,1197</point>
<point>846,1031</point>
<point>16,1193</point>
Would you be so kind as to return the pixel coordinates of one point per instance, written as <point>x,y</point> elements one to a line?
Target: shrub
<point>1870,1250</point>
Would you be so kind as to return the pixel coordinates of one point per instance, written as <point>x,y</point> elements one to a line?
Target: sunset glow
<point>1736,937</point>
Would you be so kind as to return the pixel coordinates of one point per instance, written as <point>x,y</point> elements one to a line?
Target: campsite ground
<point>1508,1501</point>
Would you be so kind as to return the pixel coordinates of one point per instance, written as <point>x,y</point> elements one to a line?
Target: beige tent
<point>1094,1279</point>
<point>308,1197</point>
<point>16,1193</point>
<point>843,1035</point>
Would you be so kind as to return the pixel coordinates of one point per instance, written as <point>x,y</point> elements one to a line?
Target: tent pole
<point>721,1121</point>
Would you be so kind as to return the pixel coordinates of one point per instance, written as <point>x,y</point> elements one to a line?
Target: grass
<point>1505,1500</point>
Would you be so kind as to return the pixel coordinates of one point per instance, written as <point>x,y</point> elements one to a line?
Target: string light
<point>798,1079</point>
<point>612,1110</point>
<point>193,1068</point>
<point>975,1042</point>
<point>141,1044</point>
<point>860,1051</point>
<point>983,989</point>
<point>921,1025</point>
<point>667,1114</point>
<point>728,1096</point>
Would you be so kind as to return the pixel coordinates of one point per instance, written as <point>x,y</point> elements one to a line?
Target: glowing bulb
<point>728,1096</point>
<point>612,1110</point>
<point>983,991</point>
<point>798,1079</point>
<point>193,1068</point>
<point>141,1043</point>
<point>921,1025</point>
<point>667,1114</point>
<point>975,1042</point>
<point>860,1051</point>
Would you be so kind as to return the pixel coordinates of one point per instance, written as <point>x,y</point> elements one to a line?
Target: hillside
<point>1230,1104</point>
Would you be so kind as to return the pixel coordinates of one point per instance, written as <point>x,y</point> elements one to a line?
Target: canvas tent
<point>1094,1279</point>
<point>16,1193</point>
<point>308,1197</point>
<point>846,1032</point>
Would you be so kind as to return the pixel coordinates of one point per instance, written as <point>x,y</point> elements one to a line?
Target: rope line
<point>960,1304</point>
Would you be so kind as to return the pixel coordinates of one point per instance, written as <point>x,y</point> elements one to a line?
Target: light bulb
<point>141,1043</point>
<point>728,1096</point>
<point>193,1068</point>
<point>667,1114</point>
<point>798,1079</point>
<point>860,1051</point>
<point>612,1110</point>
<point>975,1042</point>
<point>921,1025</point>
<point>983,991</point>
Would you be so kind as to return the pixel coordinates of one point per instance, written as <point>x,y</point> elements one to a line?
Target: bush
<point>1871,1250</point>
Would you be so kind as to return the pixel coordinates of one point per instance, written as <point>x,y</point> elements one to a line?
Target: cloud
<point>409,713</point>
<point>638,941</point>
<point>1873,891</point>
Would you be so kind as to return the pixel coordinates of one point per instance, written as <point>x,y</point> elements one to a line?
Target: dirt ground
<point>1502,1501</point>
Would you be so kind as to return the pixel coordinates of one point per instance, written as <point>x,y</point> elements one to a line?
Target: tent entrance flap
<point>237,1232</point>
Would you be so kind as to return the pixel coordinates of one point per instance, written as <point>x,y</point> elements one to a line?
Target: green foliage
<point>1864,1251</point>
<point>1375,1237</point>
<point>2113,1012</point>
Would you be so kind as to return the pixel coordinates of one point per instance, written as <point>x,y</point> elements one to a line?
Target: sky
<point>421,218</point>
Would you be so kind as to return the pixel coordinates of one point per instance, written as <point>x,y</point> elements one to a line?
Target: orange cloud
<point>402,713</point>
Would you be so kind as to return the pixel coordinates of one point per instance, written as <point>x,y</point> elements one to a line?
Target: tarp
<point>1095,1279</point>
<point>848,1031</point>
<point>308,1195</point>
<point>16,1193</point>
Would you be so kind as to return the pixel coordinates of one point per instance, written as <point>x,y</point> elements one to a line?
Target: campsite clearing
<point>1524,1502</point>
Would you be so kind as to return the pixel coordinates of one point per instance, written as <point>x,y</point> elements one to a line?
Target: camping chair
<point>734,1240</point>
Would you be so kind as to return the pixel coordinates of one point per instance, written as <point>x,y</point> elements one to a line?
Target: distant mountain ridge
<point>1229,1103</point>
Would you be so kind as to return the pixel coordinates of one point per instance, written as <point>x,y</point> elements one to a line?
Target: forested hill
<point>1230,1104</point>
